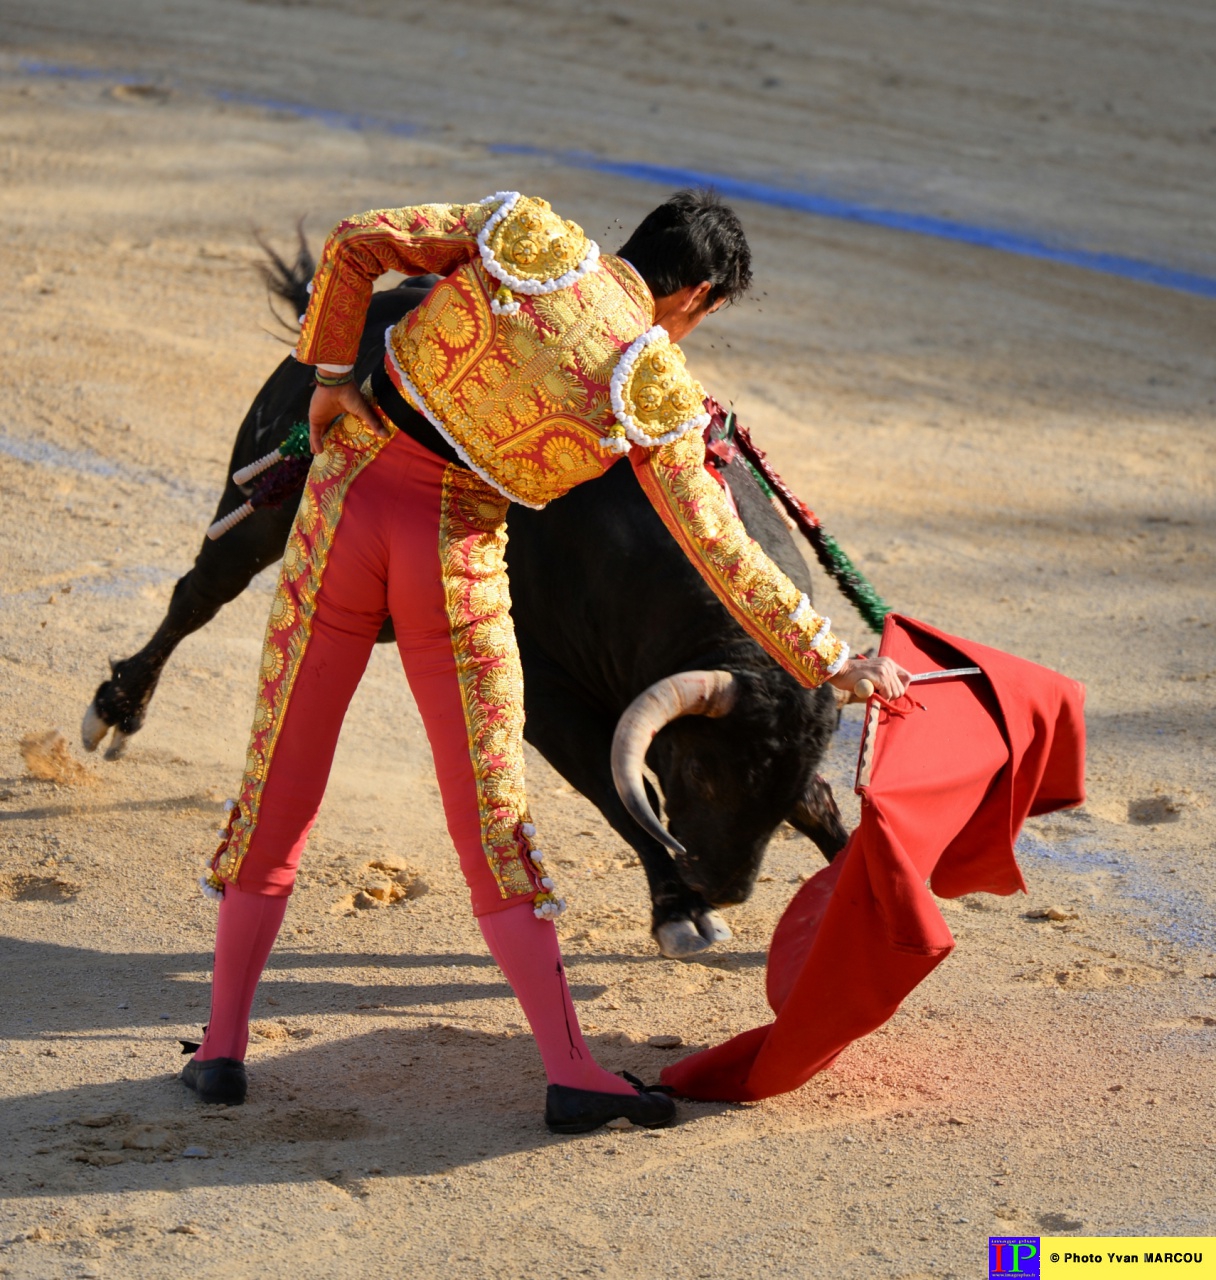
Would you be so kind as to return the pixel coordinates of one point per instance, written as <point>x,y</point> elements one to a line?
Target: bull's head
<point>725,788</point>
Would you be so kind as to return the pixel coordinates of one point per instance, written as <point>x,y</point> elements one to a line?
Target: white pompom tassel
<point>209,890</point>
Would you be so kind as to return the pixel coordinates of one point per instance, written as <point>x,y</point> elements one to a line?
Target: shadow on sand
<point>417,1099</point>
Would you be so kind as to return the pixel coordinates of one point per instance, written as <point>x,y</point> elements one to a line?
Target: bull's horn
<point>689,693</point>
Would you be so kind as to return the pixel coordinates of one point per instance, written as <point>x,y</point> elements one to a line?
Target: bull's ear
<point>818,818</point>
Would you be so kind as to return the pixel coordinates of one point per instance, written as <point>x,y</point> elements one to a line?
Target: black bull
<point>605,606</point>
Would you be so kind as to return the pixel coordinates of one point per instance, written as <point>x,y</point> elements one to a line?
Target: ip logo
<point>1010,1256</point>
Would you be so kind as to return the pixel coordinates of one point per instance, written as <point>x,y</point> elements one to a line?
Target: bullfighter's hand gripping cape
<point>948,775</point>
<point>537,358</point>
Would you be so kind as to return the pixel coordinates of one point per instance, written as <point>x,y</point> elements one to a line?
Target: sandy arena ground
<point>1015,451</point>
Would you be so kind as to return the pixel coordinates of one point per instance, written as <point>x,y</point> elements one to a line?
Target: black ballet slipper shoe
<point>216,1079</point>
<point>569,1110</point>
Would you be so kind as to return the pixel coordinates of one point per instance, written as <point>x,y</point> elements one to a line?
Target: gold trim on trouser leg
<point>349,447</point>
<point>472,546</point>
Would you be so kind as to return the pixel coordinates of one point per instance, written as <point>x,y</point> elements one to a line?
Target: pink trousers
<point>386,529</point>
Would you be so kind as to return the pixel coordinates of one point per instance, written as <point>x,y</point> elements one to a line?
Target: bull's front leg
<point>575,737</point>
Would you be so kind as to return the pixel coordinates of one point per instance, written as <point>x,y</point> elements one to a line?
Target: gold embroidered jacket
<point>538,359</point>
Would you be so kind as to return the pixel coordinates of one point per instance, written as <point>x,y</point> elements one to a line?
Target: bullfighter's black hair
<point>691,237</point>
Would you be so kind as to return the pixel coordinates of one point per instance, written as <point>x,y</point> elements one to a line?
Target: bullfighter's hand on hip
<point>328,404</point>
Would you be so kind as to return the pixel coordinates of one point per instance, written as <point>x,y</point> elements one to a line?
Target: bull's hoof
<point>93,728</point>
<point>712,927</point>
<point>680,939</point>
<point>118,745</point>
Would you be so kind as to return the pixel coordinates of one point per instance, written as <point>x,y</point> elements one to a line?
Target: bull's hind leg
<point>222,570</point>
<point>576,739</point>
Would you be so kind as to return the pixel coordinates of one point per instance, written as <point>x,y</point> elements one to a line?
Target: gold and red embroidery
<point>765,603</point>
<point>538,392</point>
<point>541,396</point>
<point>414,241</point>
<point>523,397</point>
<point>349,447</point>
<point>530,250</point>
<point>654,398</point>
<point>472,544</point>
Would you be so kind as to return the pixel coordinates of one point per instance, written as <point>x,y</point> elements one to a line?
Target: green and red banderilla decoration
<point>725,438</point>
<point>284,471</point>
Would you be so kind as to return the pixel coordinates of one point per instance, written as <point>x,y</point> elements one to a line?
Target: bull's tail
<point>289,281</point>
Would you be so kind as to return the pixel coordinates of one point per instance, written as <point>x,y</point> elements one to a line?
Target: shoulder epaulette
<point>655,400</point>
<point>529,249</point>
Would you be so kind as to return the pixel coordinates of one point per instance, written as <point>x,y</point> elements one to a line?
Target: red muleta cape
<point>950,786</point>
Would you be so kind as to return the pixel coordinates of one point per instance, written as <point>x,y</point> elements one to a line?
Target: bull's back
<point>600,586</point>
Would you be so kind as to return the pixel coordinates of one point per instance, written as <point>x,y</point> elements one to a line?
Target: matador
<point>534,364</point>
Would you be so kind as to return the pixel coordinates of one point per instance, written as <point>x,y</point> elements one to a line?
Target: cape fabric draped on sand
<point>957,766</point>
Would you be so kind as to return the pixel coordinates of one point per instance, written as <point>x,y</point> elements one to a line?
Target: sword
<point>947,675</point>
<point>864,689</point>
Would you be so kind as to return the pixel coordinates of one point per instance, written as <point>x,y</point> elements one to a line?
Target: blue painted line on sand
<point>61,71</point>
<point>806,202</point>
<point>1175,912</point>
<point>823,206</point>
<point>354,121</point>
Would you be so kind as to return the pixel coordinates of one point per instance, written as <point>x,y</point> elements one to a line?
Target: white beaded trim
<point>844,657</point>
<point>531,287</point>
<point>420,404</point>
<point>804,607</point>
<point>620,375</point>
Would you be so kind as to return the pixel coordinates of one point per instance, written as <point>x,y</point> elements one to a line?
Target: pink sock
<point>247,927</point>
<point>527,952</point>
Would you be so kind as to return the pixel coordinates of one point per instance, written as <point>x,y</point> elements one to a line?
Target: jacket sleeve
<point>765,603</point>
<point>414,241</point>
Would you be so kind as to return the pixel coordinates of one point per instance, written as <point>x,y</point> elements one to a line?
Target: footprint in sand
<point>1086,975</point>
<point>18,886</point>
<point>383,882</point>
